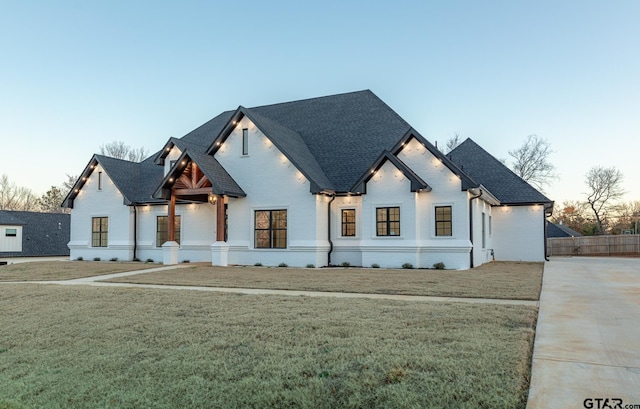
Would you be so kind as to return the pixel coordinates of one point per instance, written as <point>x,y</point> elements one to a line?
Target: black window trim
<point>245,141</point>
<point>388,221</point>
<point>437,222</point>
<point>177,232</point>
<point>99,232</point>
<point>271,229</point>
<point>346,224</point>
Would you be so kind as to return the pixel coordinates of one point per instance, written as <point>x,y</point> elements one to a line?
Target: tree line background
<point>602,210</point>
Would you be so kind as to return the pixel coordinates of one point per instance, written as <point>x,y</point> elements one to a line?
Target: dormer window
<point>245,142</point>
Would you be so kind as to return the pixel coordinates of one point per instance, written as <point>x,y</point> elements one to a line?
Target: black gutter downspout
<point>333,197</point>
<point>135,232</point>
<point>471,227</point>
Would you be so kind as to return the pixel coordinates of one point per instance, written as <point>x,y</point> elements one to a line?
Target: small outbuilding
<point>34,234</point>
<point>560,230</point>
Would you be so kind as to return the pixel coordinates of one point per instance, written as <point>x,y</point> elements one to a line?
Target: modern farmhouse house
<point>322,181</point>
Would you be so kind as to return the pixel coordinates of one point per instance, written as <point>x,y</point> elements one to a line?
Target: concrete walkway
<point>587,342</point>
<point>16,260</point>
<point>98,281</point>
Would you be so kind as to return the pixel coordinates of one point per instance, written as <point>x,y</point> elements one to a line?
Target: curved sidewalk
<point>587,344</point>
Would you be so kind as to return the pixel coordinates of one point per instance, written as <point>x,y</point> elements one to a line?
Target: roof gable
<point>467,182</point>
<point>221,182</point>
<point>288,141</point>
<point>417,184</point>
<point>505,185</point>
<point>134,180</point>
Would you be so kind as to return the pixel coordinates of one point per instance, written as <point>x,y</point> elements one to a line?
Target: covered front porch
<point>198,178</point>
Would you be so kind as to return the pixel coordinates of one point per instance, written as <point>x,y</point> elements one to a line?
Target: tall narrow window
<point>271,229</point>
<point>245,142</point>
<point>387,221</point>
<point>443,221</point>
<point>99,180</point>
<point>484,231</point>
<point>99,231</point>
<point>348,222</point>
<point>162,229</point>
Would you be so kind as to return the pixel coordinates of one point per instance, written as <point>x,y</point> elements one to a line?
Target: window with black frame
<point>443,221</point>
<point>271,229</point>
<point>387,221</point>
<point>348,222</point>
<point>162,229</point>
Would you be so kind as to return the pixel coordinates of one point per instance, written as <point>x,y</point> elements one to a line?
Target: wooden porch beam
<point>220,218</point>
<point>171,217</point>
<point>188,192</point>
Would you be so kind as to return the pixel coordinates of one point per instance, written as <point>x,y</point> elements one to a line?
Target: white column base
<point>220,254</point>
<point>170,252</point>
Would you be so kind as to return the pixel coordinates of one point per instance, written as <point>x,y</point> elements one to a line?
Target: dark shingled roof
<point>8,218</point>
<point>505,185</point>
<point>43,234</point>
<point>559,230</point>
<point>333,140</point>
<point>345,133</point>
<point>135,180</point>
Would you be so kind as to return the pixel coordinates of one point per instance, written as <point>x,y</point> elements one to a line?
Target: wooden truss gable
<point>192,181</point>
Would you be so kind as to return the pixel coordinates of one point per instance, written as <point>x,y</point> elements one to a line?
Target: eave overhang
<point>159,160</point>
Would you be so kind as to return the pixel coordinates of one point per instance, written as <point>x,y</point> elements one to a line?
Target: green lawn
<point>87,347</point>
<point>506,280</point>
<point>66,270</point>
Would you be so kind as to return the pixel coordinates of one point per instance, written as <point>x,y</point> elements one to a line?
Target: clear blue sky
<point>76,74</point>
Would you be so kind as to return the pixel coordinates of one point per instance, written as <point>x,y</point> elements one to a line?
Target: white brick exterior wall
<point>272,182</point>
<point>518,233</point>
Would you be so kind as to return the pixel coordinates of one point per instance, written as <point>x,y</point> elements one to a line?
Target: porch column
<point>220,218</point>
<point>220,249</point>
<point>171,219</point>
<point>170,249</point>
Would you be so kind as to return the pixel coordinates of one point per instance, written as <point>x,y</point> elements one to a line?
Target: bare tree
<point>13,197</point>
<point>531,162</point>
<point>453,142</point>
<point>627,217</point>
<point>119,150</point>
<point>605,188</point>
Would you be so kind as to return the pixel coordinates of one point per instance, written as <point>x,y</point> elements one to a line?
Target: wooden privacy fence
<point>623,245</point>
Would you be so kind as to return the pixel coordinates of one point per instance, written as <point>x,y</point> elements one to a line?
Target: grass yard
<point>65,270</point>
<point>88,347</point>
<point>506,280</point>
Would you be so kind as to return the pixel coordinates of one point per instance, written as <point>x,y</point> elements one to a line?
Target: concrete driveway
<point>587,344</point>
